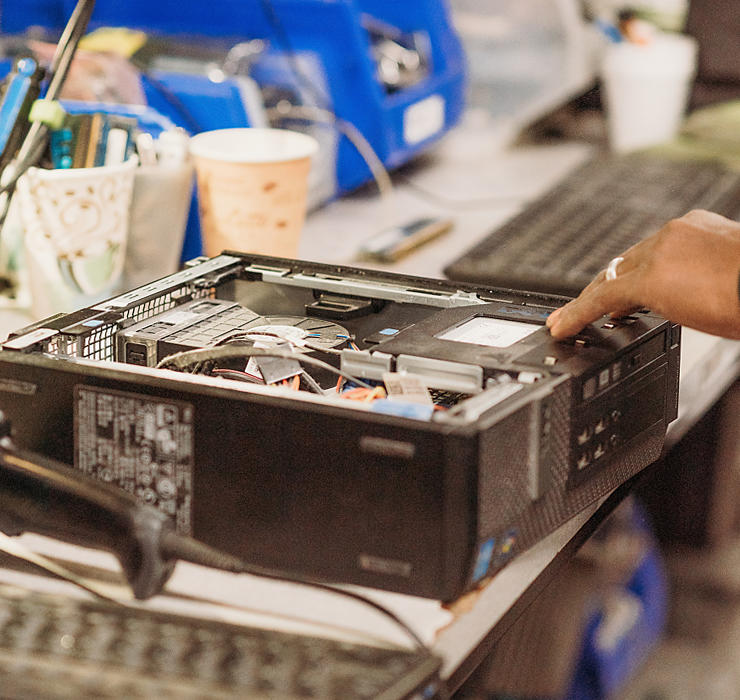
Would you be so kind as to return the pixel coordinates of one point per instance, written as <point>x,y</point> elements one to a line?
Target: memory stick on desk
<point>395,242</point>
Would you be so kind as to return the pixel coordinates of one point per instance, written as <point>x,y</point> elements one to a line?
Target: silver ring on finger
<point>611,268</point>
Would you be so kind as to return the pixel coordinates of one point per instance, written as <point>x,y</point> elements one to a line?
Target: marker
<point>145,148</point>
<point>608,30</point>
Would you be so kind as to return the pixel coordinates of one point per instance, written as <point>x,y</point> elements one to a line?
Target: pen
<point>172,148</point>
<point>633,29</point>
<point>610,31</point>
<point>145,148</point>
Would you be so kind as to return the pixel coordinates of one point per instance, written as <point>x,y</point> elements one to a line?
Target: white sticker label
<point>423,119</point>
<point>406,387</point>
<point>140,443</point>
<point>493,332</point>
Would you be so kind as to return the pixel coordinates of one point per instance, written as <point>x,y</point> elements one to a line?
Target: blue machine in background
<point>393,70</point>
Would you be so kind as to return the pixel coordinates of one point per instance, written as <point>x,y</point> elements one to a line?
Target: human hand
<point>687,272</point>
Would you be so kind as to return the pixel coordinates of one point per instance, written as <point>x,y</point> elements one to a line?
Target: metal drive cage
<point>77,335</point>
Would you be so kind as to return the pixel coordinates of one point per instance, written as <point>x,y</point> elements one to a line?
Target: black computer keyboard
<point>54,647</point>
<point>560,241</point>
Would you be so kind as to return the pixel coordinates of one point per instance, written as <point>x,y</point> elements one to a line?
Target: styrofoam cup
<point>252,189</point>
<point>646,89</point>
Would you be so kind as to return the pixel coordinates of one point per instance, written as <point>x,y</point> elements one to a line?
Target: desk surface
<point>470,178</point>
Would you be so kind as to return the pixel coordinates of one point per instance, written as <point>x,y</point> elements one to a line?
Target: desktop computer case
<point>331,489</point>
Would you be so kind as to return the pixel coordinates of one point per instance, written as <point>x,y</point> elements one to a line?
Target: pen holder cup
<point>159,213</point>
<point>76,225</point>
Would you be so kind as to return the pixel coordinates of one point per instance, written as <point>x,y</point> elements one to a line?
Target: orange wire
<point>364,394</point>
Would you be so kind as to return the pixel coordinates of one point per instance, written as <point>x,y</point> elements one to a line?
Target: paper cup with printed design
<point>252,189</point>
<point>76,225</point>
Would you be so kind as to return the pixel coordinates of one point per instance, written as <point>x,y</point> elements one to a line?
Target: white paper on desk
<point>250,600</point>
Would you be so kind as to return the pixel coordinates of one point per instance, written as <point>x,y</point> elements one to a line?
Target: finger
<point>599,298</point>
<point>624,312</point>
<point>554,317</point>
<point>709,219</point>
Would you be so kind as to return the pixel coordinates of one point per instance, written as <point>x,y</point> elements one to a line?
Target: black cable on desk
<point>175,546</point>
<point>41,495</point>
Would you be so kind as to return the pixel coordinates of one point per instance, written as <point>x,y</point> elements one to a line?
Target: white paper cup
<point>252,189</point>
<point>76,230</point>
<point>646,90</point>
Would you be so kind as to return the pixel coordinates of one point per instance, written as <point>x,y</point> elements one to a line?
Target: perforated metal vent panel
<point>504,506</point>
<point>503,478</point>
<point>99,342</point>
<point>502,481</point>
